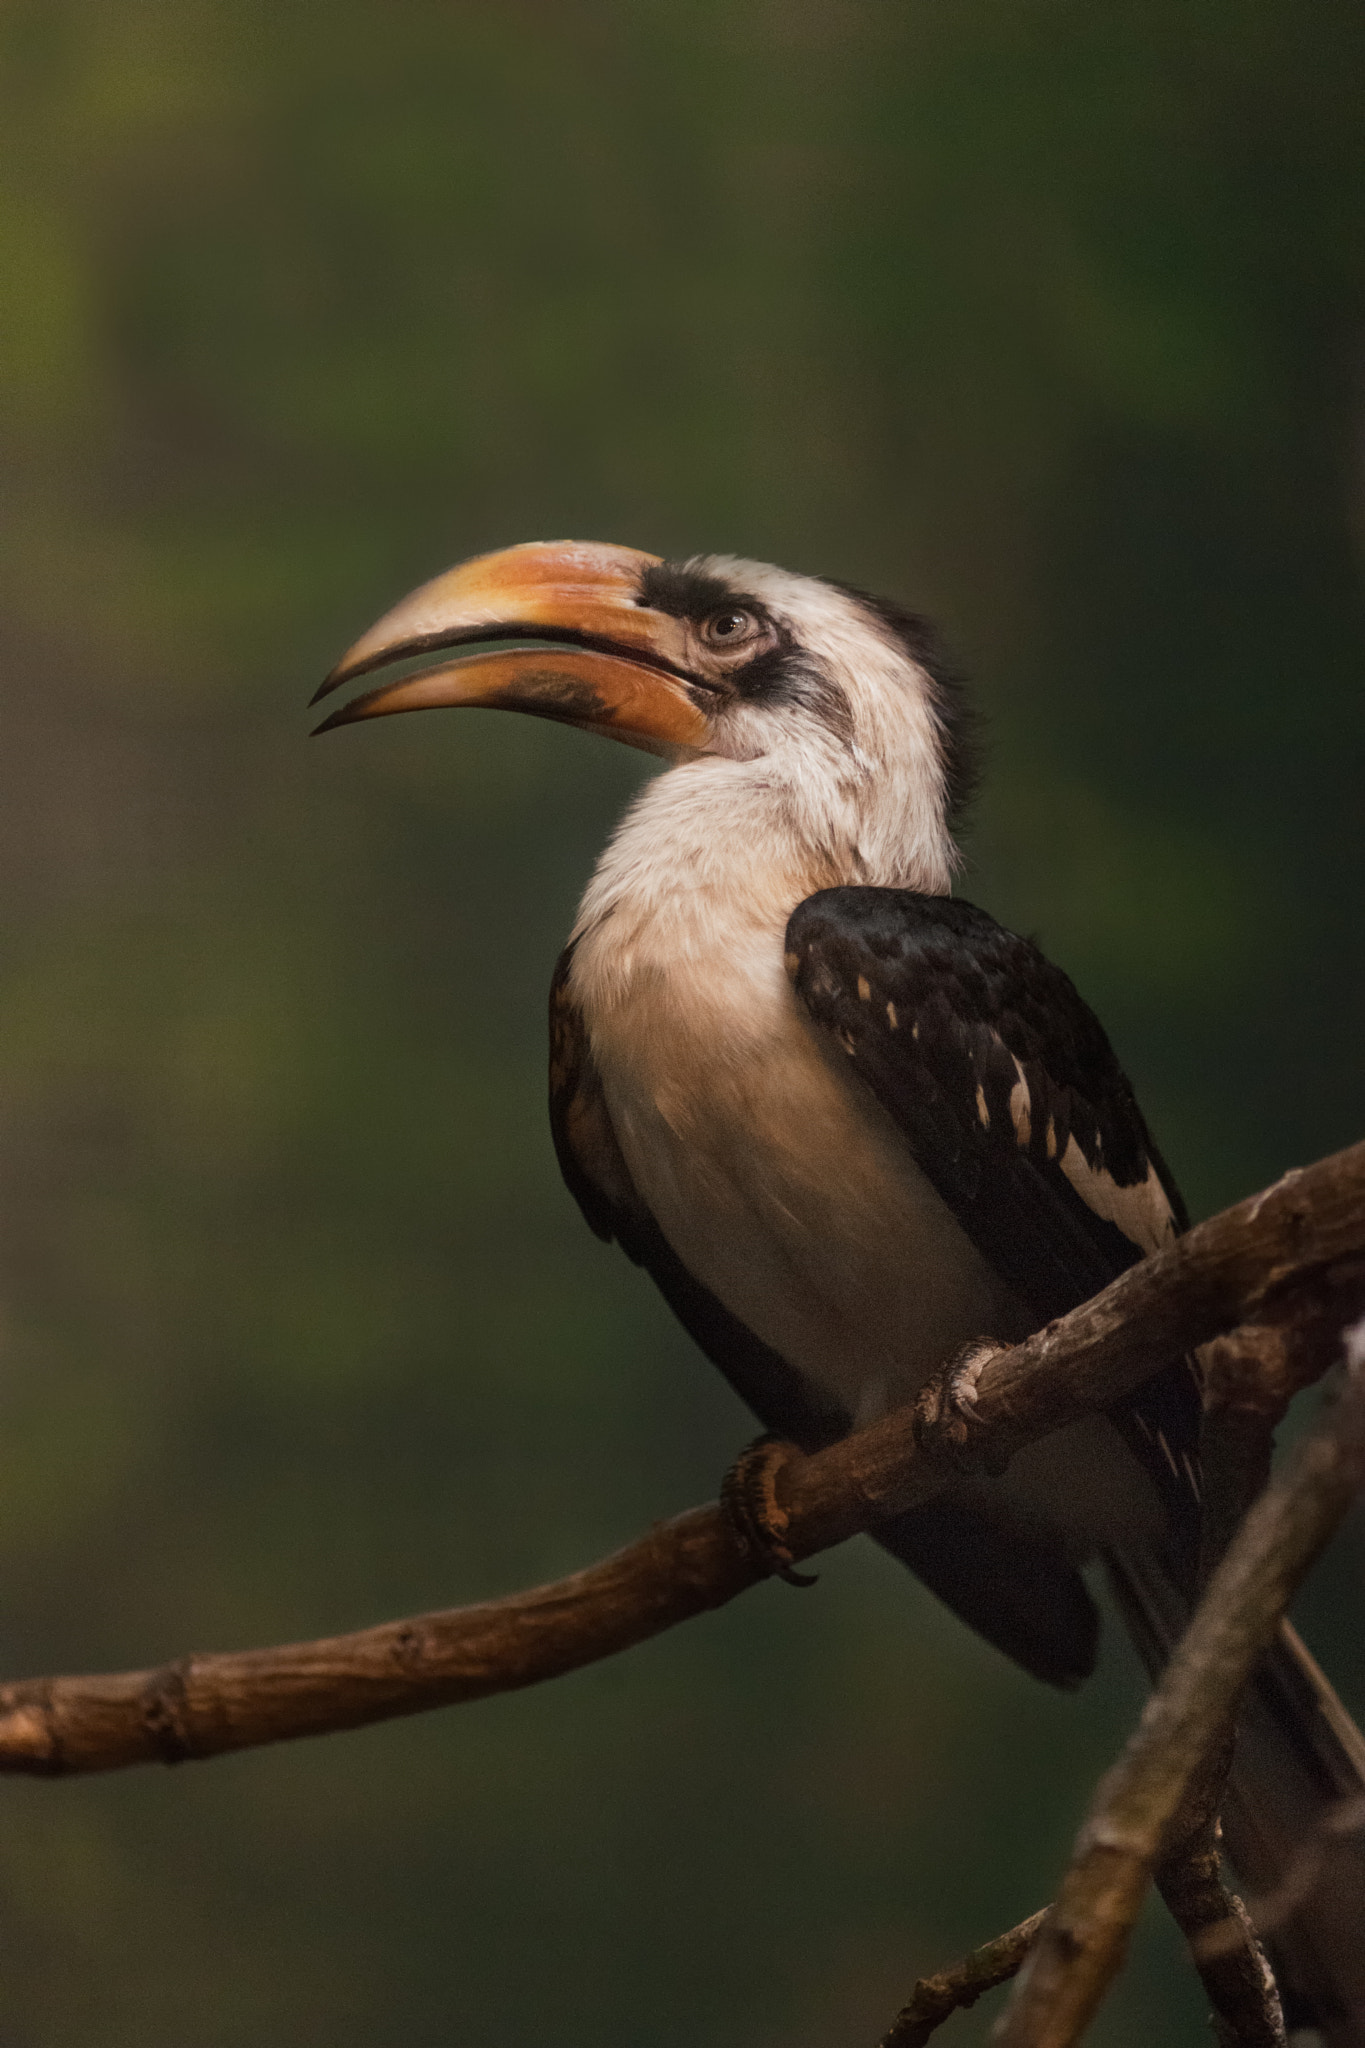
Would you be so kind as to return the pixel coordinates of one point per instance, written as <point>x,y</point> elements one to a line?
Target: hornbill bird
<point>849,1124</point>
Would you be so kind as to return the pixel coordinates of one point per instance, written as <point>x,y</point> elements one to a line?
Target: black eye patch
<point>780,675</point>
<point>784,676</point>
<point>689,594</point>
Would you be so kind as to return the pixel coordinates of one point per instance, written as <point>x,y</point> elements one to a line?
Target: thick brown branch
<point>935,1999</point>
<point>1086,1933</point>
<point>1305,1236</point>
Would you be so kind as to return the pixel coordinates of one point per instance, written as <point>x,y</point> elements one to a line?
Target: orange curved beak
<point>590,653</point>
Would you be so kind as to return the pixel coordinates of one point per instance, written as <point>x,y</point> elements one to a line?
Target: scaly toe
<point>748,1497</point>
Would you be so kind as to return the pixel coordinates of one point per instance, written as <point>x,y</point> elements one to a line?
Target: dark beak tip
<point>330,682</point>
<point>339,717</point>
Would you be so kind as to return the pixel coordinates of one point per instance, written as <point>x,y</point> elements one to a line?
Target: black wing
<point>1016,1109</point>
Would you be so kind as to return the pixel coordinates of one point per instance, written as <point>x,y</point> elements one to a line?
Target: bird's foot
<point>748,1499</point>
<point>946,1412</point>
<point>964,1370</point>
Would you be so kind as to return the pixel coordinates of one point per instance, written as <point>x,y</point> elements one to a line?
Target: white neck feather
<point>717,852</point>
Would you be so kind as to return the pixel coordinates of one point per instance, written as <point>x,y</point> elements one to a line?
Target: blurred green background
<point>1048,318</point>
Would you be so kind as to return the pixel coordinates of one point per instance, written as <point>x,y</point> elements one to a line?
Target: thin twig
<point>1270,1911</point>
<point>935,1999</point>
<point>1084,1938</point>
<point>1303,1237</point>
<point>1224,1944</point>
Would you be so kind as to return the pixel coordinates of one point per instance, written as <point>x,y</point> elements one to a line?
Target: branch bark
<point>1224,1945</point>
<point>935,1999</point>
<point>1085,1936</point>
<point>1301,1240</point>
<point>1249,1378</point>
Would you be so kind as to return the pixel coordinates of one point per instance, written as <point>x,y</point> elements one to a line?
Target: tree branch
<point>1246,1379</point>
<point>1303,1239</point>
<point>1249,1378</point>
<point>1223,1942</point>
<point>1084,1938</point>
<point>935,1999</point>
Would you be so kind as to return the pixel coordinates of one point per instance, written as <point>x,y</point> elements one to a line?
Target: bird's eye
<point>729,627</point>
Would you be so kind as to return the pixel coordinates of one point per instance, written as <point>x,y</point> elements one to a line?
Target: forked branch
<point>1085,1935</point>
<point>1303,1239</point>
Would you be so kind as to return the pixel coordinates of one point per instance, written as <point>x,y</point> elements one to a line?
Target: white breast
<point>771,1170</point>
